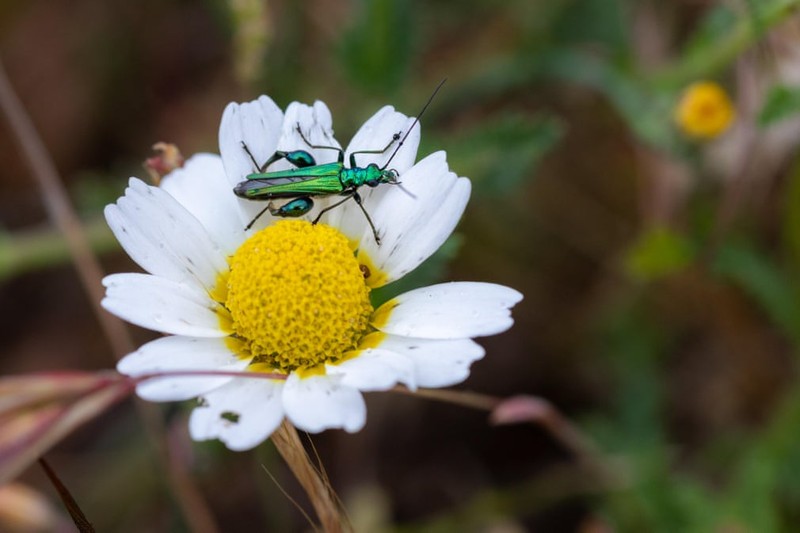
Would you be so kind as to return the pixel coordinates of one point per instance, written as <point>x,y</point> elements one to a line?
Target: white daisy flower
<point>290,298</point>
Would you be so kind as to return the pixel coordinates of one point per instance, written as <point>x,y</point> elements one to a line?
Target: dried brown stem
<point>318,490</point>
<point>484,402</point>
<point>536,410</point>
<point>61,212</point>
<point>75,511</point>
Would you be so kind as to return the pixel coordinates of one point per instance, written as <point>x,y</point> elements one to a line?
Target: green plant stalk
<point>31,250</point>
<point>715,58</point>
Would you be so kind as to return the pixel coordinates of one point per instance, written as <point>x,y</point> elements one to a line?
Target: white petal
<point>375,134</point>
<point>437,363</point>
<point>169,354</point>
<point>140,248</point>
<point>258,125</point>
<point>449,311</point>
<point>203,189</point>
<point>242,414</point>
<point>316,403</point>
<point>375,369</point>
<point>317,126</point>
<point>413,228</point>
<point>163,237</point>
<point>161,305</point>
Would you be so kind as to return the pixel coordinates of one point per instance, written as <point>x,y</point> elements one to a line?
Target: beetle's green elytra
<point>308,180</point>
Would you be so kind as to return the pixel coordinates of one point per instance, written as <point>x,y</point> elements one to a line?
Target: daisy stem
<point>316,486</point>
<point>32,249</point>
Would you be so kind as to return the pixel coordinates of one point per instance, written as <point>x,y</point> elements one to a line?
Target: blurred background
<point>652,224</point>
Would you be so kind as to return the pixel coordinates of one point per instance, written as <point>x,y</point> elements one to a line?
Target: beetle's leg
<point>357,197</point>
<point>250,155</point>
<point>260,168</point>
<point>395,138</point>
<point>347,195</point>
<point>250,225</point>
<point>319,147</point>
<point>298,158</point>
<point>296,207</point>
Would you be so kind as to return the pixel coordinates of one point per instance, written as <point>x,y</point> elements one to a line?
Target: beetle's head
<point>378,176</point>
<point>388,175</point>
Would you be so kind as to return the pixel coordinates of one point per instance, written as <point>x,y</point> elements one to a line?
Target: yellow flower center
<point>704,110</point>
<point>296,297</point>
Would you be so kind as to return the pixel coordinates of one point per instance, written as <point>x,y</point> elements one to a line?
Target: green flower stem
<point>30,250</point>
<point>715,58</point>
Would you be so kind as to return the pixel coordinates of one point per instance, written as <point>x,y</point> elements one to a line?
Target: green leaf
<point>765,489</point>
<point>715,55</point>
<point>791,215</point>
<point>782,102</point>
<point>715,25</point>
<point>376,50</point>
<point>594,22</point>
<point>764,282</point>
<point>647,111</point>
<point>658,253</point>
<point>504,152</point>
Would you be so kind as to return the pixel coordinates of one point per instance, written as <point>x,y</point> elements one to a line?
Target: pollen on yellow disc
<point>704,110</point>
<point>297,296</point>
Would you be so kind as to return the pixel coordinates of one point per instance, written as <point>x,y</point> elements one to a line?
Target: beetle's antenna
<point>400,185</point>
<point>416,120</point>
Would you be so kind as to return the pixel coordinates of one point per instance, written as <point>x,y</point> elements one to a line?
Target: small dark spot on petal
<point>230,416</point>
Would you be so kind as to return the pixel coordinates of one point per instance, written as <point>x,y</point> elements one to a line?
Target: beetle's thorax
<point>358,176</point>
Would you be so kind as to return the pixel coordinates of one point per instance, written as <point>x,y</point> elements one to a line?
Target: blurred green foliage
<point>659,253</point>
<point>505,151</point>
<point>781,103</point>
<point>661,274</point>
<point>376,46</point>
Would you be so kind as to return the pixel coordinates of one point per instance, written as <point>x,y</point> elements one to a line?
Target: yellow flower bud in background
<point>704,110</point>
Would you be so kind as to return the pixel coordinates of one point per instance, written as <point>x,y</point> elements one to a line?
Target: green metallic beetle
<point>308,179</point>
